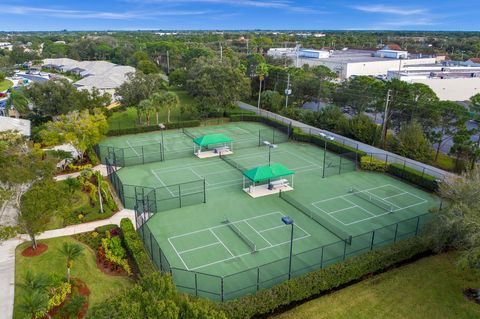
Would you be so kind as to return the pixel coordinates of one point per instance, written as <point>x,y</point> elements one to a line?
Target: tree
<point>362,93</point>
<point>178,77</point>
<point>147,67</point>
<point>34,304</point>
<point>261,71</point>
<point>155,296</point>
<point>32,282</point>
<point>82,129</point>
<point>412,143</point>
<point>164,100</point>
<point>463,147</point>
<point>271,101</point>
<point>458,225</point>
<point>21,165</point>
<point>71,251</point>
<point>452,116</point>
<point>216,85</point>
<point>18,101</point>
<point>475,111</point>
<point>139,87</point>
<point>37,207</point>
<point>145,107</point>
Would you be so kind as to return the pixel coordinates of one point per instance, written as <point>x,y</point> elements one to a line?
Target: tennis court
<point>234,244</point>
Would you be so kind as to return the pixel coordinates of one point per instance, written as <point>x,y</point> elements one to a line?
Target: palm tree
<point>146,107</point>
<point>72,251</point>
<point>34,282</point>
<point>34,304</point>
<point>262,71</point>
<point>168,100</point>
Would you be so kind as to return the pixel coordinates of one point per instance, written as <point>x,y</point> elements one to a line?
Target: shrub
<point>135,248</point>
<point>369,163</point>
<point>73,306</point>
<point>59,295</point>
<point>312,284</point>
<point>112,253</point>
<point>76,168</point>
<point>151,128</point>
<point>92,156</point>
<point>412,175</point>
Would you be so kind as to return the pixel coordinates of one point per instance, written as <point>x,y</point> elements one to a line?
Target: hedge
<point>369,163</point>
<point>151,128</point>
<point>324,280</point>
<point>412,175</point>
<point>332,146</point>
<point>135,248</point>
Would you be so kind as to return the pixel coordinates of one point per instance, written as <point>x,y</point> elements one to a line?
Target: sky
<point>55,15</point>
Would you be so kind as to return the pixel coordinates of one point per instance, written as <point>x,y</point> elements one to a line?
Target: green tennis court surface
<point>234,244</point>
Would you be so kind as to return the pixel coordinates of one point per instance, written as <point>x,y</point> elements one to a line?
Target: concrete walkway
<point>7,255</point>
<point>102,168</point>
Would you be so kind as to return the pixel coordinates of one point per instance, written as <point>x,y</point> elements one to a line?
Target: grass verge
<point>102,286</point>
<point>428,288</point>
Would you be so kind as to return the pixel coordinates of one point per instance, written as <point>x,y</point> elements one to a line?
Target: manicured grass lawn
<point>102,286</point>
<point>5,84</point>
<point>428,288</point>
<point>127,119</point>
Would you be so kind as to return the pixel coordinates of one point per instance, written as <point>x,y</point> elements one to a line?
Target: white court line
<point>378,197</point>
<point>196,248</point>
<point>395,195</point>
<point>198,175</point>
<point>341,196</point>
<point>221,242</point>
<point>181,259</point>
<point>246,221</point>
<point>130,145</point>
<point>340,210</point>
<point>359,207</point>
<point>162,182</point>
<point>408,192</point>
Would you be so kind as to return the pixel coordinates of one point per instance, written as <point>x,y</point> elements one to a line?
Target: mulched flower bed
<point>29,252</point>
<point>83,291</point>
<point>107,267</point>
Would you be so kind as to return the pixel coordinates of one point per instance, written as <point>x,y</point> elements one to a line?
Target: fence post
<point>418,224</point>
<point>179,195</point>
<point>340,166</point>
<point>373,240</point>
<point>396,230</point>
<point>321,259</point>
<point>196,285</point>
<point>160,258</point>
<point>344,250</point>
<point>204,192</point>
<point>221,288</point>
<point>151,245</point>
<point>143,156</point>
<point>258,278</point>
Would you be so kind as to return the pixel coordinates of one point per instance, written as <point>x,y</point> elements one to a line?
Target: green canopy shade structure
<point>210,139</point>
<point>262,173</point>
<point>214,144</point>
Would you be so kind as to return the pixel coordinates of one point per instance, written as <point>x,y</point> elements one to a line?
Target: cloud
<point>84,14</point>
<point>270,4</point>
<point>380,8</point>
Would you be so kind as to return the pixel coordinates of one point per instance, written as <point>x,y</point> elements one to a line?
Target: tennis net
<point>233,163</point>
<point>187,133</point>
<point>343,235</point>
<point>377,201</point>
<point>241,235</point>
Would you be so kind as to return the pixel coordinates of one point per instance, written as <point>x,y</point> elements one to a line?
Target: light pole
<point>162,127</point>
<point>288,221</point>
<point>325,137</point>
<point>270,146</point>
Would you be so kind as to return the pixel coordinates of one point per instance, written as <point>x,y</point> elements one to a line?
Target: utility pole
<point>385,119</point>
<point>288,91</point>
<point>168,63</point>
<point>221,53</point>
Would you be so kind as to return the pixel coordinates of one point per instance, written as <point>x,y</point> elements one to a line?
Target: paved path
<point>102,168</point>
<point>7,255</point>
<point>376,152</point>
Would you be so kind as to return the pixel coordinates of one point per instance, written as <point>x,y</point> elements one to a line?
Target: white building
<point>6,45</point>
<point>348,62</point>
<point>102,75</point>
<point>449,83</point>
